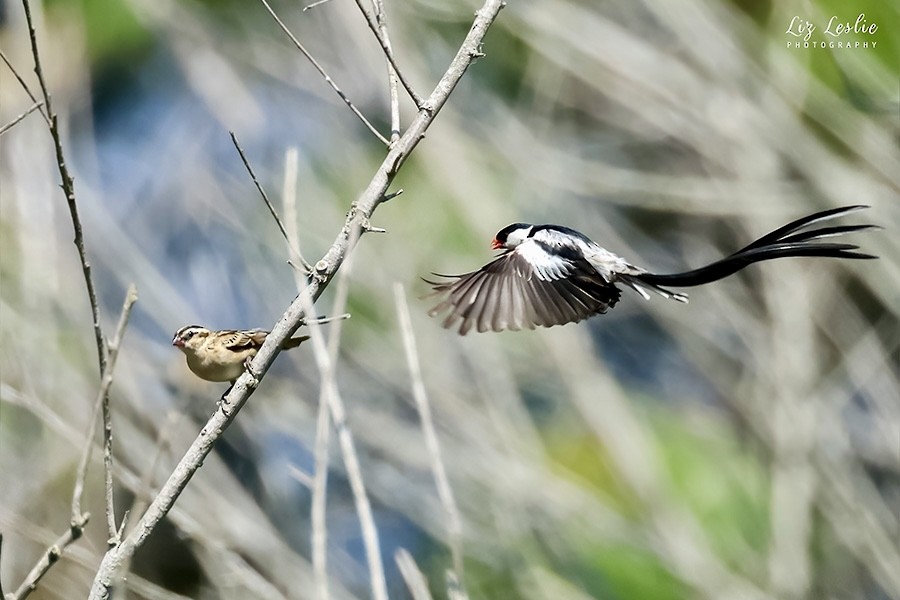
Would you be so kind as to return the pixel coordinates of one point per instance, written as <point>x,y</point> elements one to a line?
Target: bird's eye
<point>187,335</point>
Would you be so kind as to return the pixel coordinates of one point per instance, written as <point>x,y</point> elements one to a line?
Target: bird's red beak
<point>177,341</point>
<point>496,245</point>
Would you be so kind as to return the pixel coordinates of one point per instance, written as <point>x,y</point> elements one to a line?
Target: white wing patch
<point>610,265</point>
<point>548,267</point>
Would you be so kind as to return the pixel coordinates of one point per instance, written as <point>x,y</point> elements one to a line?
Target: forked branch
<point>360,212</point>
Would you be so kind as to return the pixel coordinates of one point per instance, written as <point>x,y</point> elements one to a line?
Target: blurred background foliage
<point>746,445</point>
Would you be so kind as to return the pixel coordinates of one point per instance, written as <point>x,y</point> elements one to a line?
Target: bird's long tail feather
<point>793,239</point>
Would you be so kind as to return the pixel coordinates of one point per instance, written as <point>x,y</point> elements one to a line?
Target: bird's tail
<point>293,342</point>
<point>793,239</point>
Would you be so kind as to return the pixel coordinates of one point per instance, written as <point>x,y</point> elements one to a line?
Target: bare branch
<point>326,268</point>
<point>15,121</point>
<point>23,84</point>
<point>330,401</point>
<point>391,69</point>
<point>78,519</point>
<point>314,4</point>
<point>50,556</point>
<point>322,72</point>
<point>2,595</point>
<point>319,481</point>
<point>317,516</point>
<point>105,383</point>
<point>392,195</point>
<point>291,215</point>
<point>441,481</point>
<point>68,186</point>
<point>101,402</point>
<point>294,251</point>
<point>379,28</point>
<point>141,495</point>
<point>415,580</point>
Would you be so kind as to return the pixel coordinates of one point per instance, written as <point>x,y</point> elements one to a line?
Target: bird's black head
<point>511,236</point>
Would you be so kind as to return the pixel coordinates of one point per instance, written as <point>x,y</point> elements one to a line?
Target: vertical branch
<point>348,452</point>
<point>442,482</point>
<point>379,28</point>
<point>319,533</point>
<point>381,18</point>
<point>68,186</point>
<point>106,382</point>
<point>101,402</point>
<point>2,595</point>
<point>291,217</point>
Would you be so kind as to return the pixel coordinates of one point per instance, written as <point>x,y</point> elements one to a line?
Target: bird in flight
<point>552,275</point>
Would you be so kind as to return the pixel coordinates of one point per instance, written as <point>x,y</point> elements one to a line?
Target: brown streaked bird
<point>551,275</point>
<point>223,355</point>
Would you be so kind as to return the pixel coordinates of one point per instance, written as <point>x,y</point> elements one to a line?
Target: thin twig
<point>13,123</point>
<point>326,268</point>
<point>163,438</point>
<point>392,195</point>
<point>101,402</point>
<point>381,18</point>
<point>68,186</point>
<point>330,401</point>
<point>412,575</point>
<point>314,4</point>
<point>441,481</point>
<point>291,215</point>
<point>2,595</point>
<point>379,28</point>
<point>23,84</point>
<point>294,251</point>
<point>319,534</point>
<point>322,72</point>
<point>141,495</point>
<point>351,461</point>
<point>106,382</point>
<point>300,475</point>
<point>50,556</point>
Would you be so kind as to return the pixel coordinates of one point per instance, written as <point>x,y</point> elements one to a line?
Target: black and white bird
<point>551,275</point>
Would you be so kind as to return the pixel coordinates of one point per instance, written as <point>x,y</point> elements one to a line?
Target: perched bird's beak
<point>496,245</point>
<point>177,341</point>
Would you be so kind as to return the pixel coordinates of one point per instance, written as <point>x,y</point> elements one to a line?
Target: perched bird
<point>223,355</point>
<point>551,275</point>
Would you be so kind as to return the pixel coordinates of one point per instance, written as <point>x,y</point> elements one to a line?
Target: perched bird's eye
<point>187,335</point>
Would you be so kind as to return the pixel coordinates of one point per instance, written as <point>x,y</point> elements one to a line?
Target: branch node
<point>305,270</point>
<point>77,527</point>
<point>369,228</point>
<point>391,196</point>
<point>117,539</point>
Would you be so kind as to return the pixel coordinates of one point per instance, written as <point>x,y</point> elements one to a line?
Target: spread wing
<point>523,288</point>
